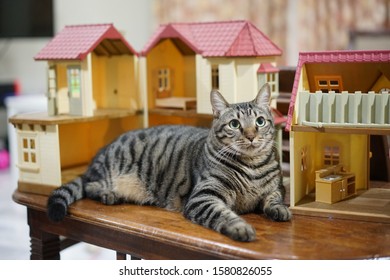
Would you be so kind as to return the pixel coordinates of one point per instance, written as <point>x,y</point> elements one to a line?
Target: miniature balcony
<point>344,109</point>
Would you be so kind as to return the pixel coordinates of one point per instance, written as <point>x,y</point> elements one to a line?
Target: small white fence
<point>344,109</point>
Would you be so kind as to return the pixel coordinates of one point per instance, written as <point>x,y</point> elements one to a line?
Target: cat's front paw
<point>108,198</point>
<point>239,231</point>
<point>279,212</point>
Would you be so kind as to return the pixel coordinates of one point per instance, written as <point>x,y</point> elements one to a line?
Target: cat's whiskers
<point>226,152</point>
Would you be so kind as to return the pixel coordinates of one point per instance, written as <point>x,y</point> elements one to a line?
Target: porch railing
<point>344,109</point>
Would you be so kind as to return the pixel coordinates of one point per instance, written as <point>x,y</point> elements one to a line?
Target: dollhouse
<point>340,101</point>
<point>90,67</point>
<point>98,86</point>
<point>184,61</point>
<point>92,97</point>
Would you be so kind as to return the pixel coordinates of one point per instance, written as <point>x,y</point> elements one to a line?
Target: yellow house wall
<point>359,160</point>
<point>302,181</point>
<point>80,141</point>
<point>189,76</point>
<point>114,82</point>
<point>382,82</point>
<point>353,156</point>
<point>98,80</point>
<point>166,55</point>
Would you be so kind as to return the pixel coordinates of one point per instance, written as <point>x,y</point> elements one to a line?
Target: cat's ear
<point>218,103</point>
<point>263,95</point>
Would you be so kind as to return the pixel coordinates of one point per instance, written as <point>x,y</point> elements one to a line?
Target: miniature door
<point>74,90</point>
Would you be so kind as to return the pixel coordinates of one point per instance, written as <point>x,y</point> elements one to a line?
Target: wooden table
<point>153,233</point>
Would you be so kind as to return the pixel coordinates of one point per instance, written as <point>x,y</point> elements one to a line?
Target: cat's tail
<point>61,198</point>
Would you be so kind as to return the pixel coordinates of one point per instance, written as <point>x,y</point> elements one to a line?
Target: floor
<point>14,232</point>
<point>368,205</point>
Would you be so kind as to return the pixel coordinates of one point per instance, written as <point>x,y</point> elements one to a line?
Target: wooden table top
<point>303,237</point>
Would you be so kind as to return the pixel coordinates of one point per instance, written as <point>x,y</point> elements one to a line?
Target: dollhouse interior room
<point>71,80</point>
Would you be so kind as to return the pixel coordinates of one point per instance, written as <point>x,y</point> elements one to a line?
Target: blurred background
<point>26,26</point>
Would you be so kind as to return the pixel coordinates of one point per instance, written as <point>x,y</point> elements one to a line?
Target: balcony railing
<point>344,109</point>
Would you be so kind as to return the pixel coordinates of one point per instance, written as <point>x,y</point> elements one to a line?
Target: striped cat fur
<point>210,175</point>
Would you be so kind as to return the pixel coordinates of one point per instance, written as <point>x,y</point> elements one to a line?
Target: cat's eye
<point>234,124</point>
<point>260,122</point>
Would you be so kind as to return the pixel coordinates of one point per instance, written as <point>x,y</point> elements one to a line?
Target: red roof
<point>332,57</point>
<point>217,39</point>
<point>77,41</point>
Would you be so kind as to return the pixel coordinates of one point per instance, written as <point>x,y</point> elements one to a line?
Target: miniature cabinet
<point>333,184</point>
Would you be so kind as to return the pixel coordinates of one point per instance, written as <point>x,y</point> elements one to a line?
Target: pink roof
<point>332,57</point>
<point>267,68</point>
<point>77,41</point>
<point>216,39</point>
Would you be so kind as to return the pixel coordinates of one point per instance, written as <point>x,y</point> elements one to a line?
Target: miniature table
<point>153,233</point>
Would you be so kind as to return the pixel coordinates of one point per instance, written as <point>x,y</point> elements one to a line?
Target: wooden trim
<point>35,188</point>
<point>341,130</point>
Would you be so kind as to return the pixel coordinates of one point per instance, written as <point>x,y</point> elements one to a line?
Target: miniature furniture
<point>154,233</point>
<point>184,103</point>
<point>333,184</point>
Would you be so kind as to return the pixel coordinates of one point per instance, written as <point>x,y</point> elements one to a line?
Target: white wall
<point>133,18</point>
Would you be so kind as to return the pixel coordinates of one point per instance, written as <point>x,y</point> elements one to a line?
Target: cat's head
<point>245,129</point>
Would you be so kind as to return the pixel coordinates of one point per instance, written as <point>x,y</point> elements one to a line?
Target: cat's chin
<point>249,152</point>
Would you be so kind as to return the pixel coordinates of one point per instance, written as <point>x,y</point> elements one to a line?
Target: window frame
<point>215,82</point>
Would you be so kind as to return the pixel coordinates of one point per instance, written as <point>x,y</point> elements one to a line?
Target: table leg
<point>44,245</point>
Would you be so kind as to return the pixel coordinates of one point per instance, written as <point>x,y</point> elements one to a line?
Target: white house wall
<point>47,171</point>
<point>247,87</point>
<point>203,85</point>
<point>86,84</point>
<point>238,79</point>
<point>228,80</point>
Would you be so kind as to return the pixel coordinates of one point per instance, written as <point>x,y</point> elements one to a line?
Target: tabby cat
<point>210,175</point>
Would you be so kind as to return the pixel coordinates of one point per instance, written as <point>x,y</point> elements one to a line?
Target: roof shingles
<point>76,41</point>
<point>218,39</point>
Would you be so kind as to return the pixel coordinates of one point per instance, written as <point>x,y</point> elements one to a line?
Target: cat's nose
<point>250,136</point>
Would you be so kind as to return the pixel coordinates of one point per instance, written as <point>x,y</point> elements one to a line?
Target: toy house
<point>184,61</point>
<point>93,97</point>
<point>90,67</point>
<point>340,101</point>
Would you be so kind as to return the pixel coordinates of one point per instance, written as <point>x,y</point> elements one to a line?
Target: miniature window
<point>331,155</point>
<point>328,83</point>
<point>74,80</point>
<point>215,77</point>
<point>52,81</point>
<point>29,150</point>
<point>271,80</point>
<point>164,83</point>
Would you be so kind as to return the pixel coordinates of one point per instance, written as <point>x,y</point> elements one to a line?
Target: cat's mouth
<point>249,147</point>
